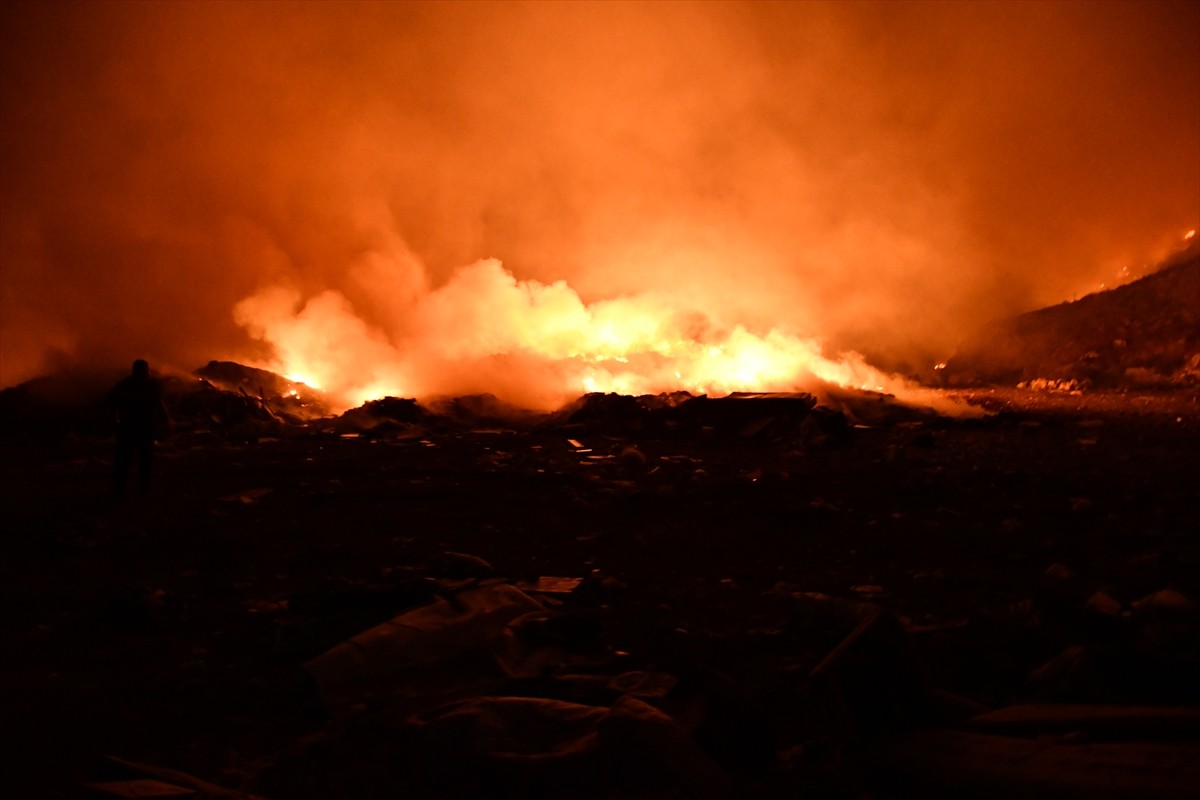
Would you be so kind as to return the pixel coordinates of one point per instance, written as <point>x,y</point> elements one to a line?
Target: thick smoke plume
<point>337,185</point>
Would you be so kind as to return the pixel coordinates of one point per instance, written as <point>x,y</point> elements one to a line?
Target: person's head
<point>141,368</point>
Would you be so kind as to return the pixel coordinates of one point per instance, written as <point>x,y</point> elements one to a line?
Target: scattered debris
<point>427,636</point>
<point>247,497</point>
<point>458,566</point>
<point>551,585</point>
<point>1165,600</point>
<point>139,787</point>
<point>1141,723</point>
<point>1060,571</point>
<point>531,744</point>
<point>388,413</point>
<point>133,779</point>
<point>1104,603</point>
<point>943,763</point>
<point>643,684</point>
<point>680,677</point>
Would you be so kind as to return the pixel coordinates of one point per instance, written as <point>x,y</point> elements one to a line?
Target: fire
<point>1190,235</point>
<point>300,377</point>
<point>535,344</point>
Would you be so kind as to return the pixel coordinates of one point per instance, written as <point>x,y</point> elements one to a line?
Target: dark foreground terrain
<point>826,616</point>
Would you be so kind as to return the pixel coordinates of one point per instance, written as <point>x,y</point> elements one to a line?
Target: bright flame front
<point>537,345</point>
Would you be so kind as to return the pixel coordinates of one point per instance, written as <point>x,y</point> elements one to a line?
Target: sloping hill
<point>1143,333</point>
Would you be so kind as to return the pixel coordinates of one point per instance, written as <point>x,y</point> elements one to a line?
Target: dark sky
<point>877,175</point>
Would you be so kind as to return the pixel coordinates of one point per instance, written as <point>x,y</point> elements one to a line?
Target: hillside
<point>1145,333</point>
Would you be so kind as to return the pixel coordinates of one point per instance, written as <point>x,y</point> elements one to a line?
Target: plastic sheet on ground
<point>468,621</point>
<point>538,742</point>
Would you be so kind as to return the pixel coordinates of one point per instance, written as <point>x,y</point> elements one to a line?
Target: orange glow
<point>296,377</point>
<point>698,188</point>
<point>536,344</point>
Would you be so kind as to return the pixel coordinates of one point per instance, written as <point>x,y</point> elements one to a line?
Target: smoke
<point>324,183</point>
<point>535,344</point>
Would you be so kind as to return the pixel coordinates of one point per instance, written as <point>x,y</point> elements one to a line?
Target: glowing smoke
<point>876,176</point>
<point>485,331</point>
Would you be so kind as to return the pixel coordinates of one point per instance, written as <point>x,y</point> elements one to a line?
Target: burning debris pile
<point>1144,334</point>
<point>290,399</point>
<point>227,399</point>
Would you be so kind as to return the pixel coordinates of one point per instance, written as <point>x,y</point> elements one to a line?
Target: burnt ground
<point>171,629</point>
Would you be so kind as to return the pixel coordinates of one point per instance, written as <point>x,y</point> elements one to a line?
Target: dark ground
<point>165,630</point>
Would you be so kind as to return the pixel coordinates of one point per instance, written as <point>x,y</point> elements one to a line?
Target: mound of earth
<point>1143,334</point>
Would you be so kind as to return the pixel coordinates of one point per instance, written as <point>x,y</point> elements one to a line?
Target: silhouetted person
<point>141,414</point>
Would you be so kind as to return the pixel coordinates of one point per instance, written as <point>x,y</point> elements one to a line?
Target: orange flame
<point>535,344</point>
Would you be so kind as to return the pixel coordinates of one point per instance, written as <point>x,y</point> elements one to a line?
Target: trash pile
<point>279,397</point>
<point>224,400</point>
<point>457,683</point>
<point>741,415</point>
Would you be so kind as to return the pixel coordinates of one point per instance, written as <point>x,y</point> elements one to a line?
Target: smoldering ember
<point>656,596</point>
<point>600,400</point>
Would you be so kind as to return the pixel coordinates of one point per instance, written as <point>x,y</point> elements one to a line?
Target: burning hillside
<point>1143,334</point>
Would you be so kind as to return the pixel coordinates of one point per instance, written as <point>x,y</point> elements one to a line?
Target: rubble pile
<point>781,418</point>
<point>387,414</point>
<point>286,398</point>
<point>482,411</point>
